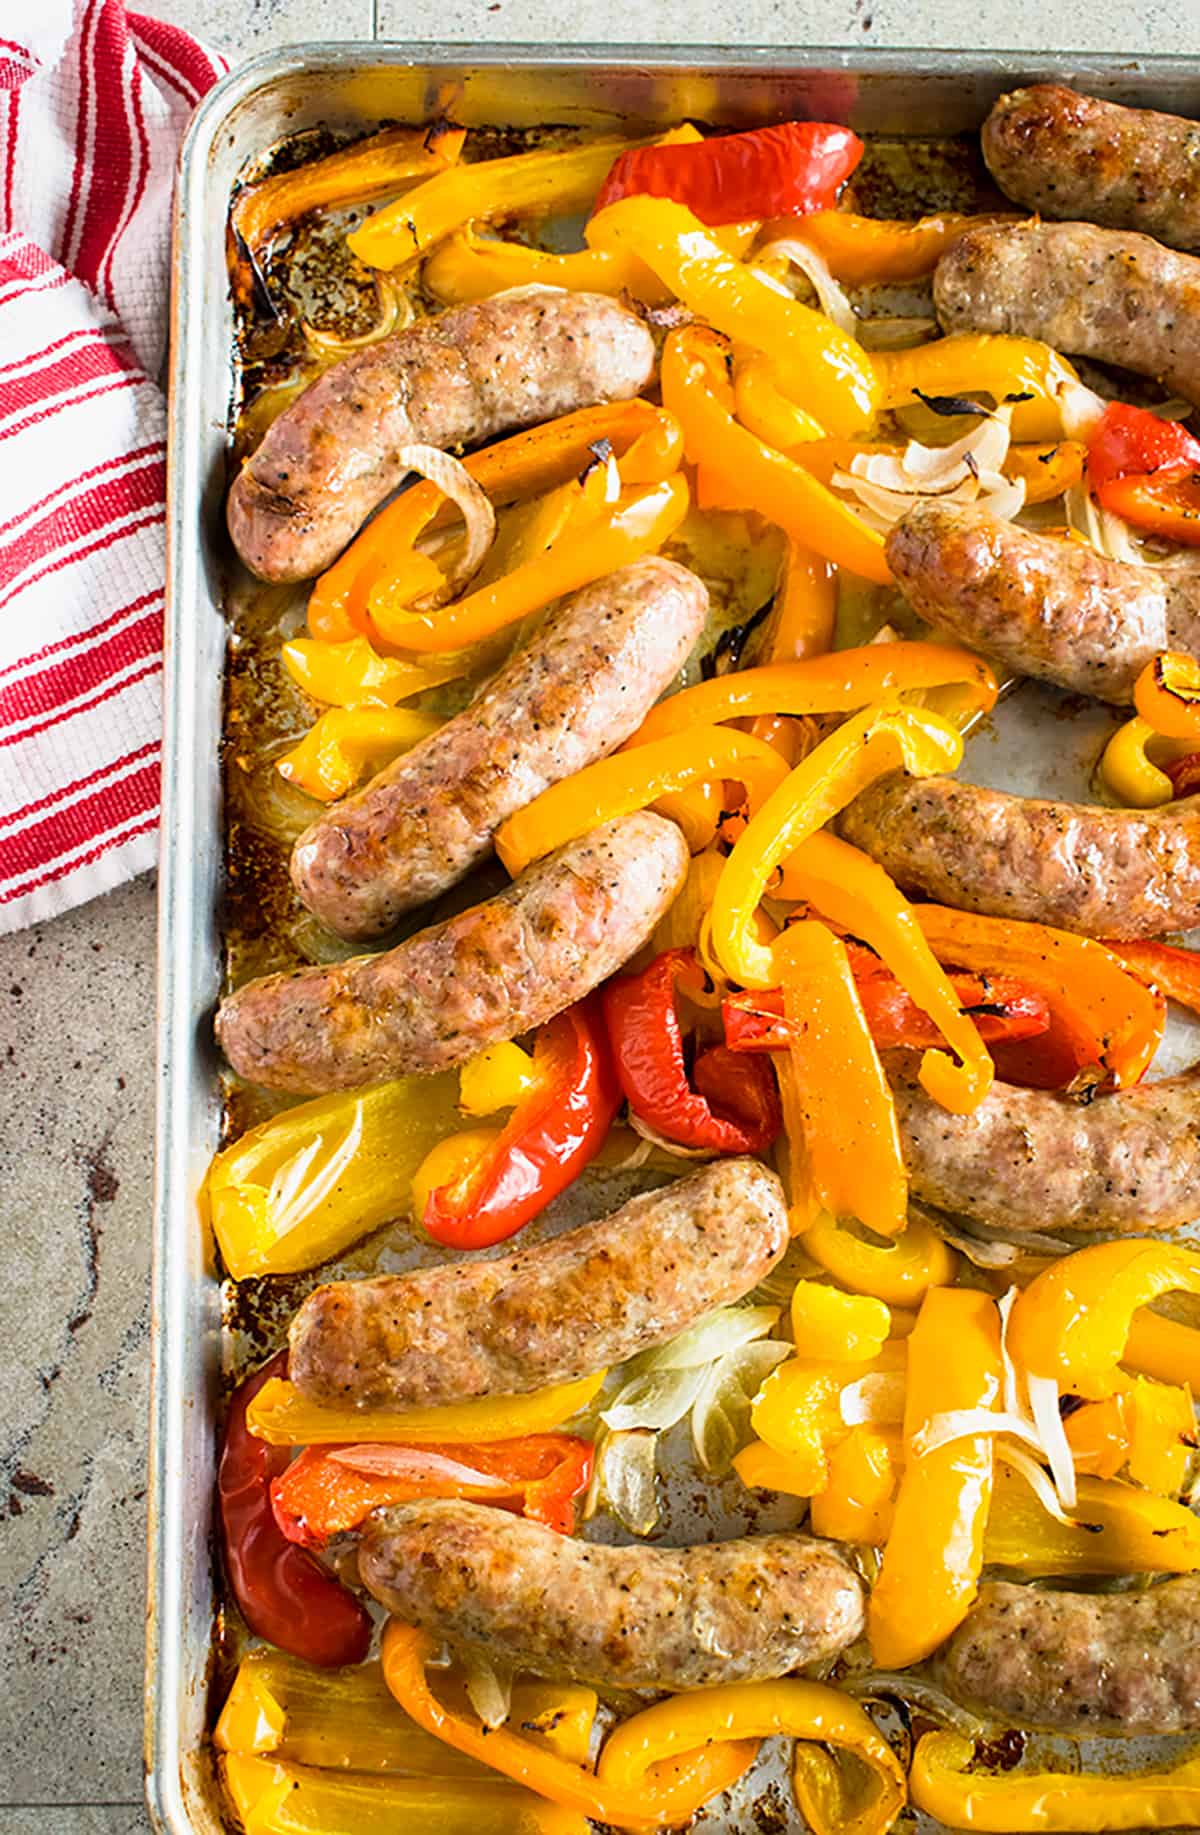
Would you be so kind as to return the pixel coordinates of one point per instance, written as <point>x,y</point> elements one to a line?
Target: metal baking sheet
<point>354,87</point>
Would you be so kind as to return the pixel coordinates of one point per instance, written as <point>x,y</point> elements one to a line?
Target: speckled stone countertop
<point>76,1039</point>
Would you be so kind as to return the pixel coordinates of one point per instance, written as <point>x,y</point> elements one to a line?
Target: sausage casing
<point>1042,607</point>
<point>1103,293</point>
<point>1105,872</point>
<point>1066,155</point>
<point>640,1618</point>
<point>450,381</point>
<point>1082,1663</point>
<point>550,1314</point>
<point>495,971</point>
<point>572,694</point>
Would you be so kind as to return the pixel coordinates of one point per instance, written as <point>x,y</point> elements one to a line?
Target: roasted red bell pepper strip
<point>1001,1007</point>
<point>767,172</point>
<point>1147,470</point>
<point>1184,774</point>
<point>1173,971</point>
<point>328,1490</point>
<point>549,1138</point>
<point>647,1041</point>
<point>285,1595</point>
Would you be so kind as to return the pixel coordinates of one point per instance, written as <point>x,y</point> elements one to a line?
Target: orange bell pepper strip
<point>763,408</point>
<point>902,1272</point>
<point>1172,971</point>
<point>665,1795</point>
<point>839,683</point>
<point>329,1491</point>
<point>617,786</point>
<point>589,547</point>
<point>1168,508</point>
<point>862,251</point>
<point>804,615</point>
<point>1109,1018</point>
<point>1072,1323</point>
<point>859,1502</point>
<point>851,1140</point>
<point>1161,1347</point>
<point>359,174</point>
<point>511,471</point>
<point>1167,694</point>
<point>934,1555</point>
<point>819,365</point>
<point>753,476</point>
<point>1098,1436</point>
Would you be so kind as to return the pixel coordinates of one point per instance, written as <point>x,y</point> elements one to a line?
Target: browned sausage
<point>639,1618</point>
<point>1067,155</point>
<point>1105,872</point>
<point>1081,1663</point>
<point>1041,607</point>
<point>549,1314</point>
<point>1031,1160</point>
<point>574,693</point>
<point>450,381</point>
<point>1103,293</point>
<point>497,970</point>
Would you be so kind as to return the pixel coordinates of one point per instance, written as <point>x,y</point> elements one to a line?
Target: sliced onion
<point>971,1424</point>
<point>451,476</point>
<point>1039,1482</point>
<point>396,313</point>
<point>414,1462</point>
<point>527,290</point>
<point>835,301</point>
<point>1081,408</point>
<point>672,1147</point>
<point>1012,1384</point>
<point>1043,1403</point>
<point>625,1480</point>
<point>915,1691</point>
<point>655,1400</point>
<point>489,1686</point>
<point>1106,532</point>
<point>895,333</point>
<point>712,1337</point>
<point>876,1400</point>
<point>721,1412</point>
<point>293,1195</point>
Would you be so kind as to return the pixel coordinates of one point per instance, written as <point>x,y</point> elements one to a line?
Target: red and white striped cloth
<point>93,102</point>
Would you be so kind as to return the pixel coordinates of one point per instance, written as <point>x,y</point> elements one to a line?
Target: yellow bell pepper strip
<point>865,251</point>
<point>497,1078</point>
<point>369,169</point>
<point>639,523</point>
<point>280,1415</point>
<point>835,684</point>
<point>877,740</point>
<point>805,611</point>
<point>859,1502</point>
<point>1115,1529</point>
<point>763,408</point>
<point>1163,1348</point>
<point>1099,1011</point>
<point>854,891</point>
<point>751,475</point>
<point>468,266</point>
<point>632,780</point>
<point>827,1725</point>
<point>302,1186</point>
<point>1012,1802</point>
<point>548,182</point>
<point>901,1272</point>
<point>349,743</point>
<point>799,1411</point>
<point>346,1719</point>
<point>761,1468</point>
<point>666,1793</point>
<point>1129,772</point>
<point>1162,1435</point>
<point>934,1555</point>
<point>1098,1436</point>
<point>510,471</point>
<point>1167,695</point>
<point>972,364</point>
<point>1071,1323</point>
<point>844,1326</point>
<point>276,1798</point>
<point>819,365</point>
<point>352,674</point>
<point>851,1140</point>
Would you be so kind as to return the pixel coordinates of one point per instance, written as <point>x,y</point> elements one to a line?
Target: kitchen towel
<point>93,103</point>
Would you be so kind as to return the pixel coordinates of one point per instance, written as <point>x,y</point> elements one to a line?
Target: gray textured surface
<point>76,1044</point>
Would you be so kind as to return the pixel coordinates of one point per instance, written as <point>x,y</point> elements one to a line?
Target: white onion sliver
<point>656,1139</point>
<point>721,1413</point>
<point>528,289</point>
<point>384,1461</point>
<point>835,301</point>
<point>626,1479</point>
<point>1039,1482</point>
<point>1012,1387</point>
<point>451,476</point>
<point>883,1684</point>
<point>876,1400</point>
<point>654,1400</point>
<point>289,1199</point>
<point>970,1424</point>
<point>489,1687</point>
<point>1043,1403</point>
<point>711,1337</point>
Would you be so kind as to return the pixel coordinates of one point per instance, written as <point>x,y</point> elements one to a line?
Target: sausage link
<point>1031,1160</point>
<point>549,1314</point>
<point>1103,293</point>
<point>450,381</point>
<point>495,971</point>
<point>574,693</point>
<point>1066,155</point>
<point>1041,607</point>
<point>1104,872</point>
<point>637,1618</point>
<point>1081,1663</point>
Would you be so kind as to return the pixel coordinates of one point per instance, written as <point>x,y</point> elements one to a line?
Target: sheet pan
<point>354,86</point>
